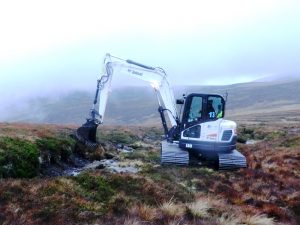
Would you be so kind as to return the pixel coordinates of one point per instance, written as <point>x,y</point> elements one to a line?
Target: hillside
<point>260,101</point>
<point>277,101</point>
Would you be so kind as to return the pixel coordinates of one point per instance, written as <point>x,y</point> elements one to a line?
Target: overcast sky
<point>50,46</point>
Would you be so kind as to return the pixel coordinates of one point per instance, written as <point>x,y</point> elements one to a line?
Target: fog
<point>48,49</point>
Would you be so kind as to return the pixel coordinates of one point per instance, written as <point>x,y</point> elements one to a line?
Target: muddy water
<point>109,165</point>
<point>76,164</point>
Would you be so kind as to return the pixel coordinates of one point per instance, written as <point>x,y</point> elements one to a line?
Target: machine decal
<point>211,136</point>
<point>188,145</point>
<point>135,72</point>
<point>212,115</point>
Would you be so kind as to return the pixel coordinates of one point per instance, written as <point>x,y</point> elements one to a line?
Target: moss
<point>127,184</point>
<point>244,134</point>
<point>47,191</point>
<point>145,156</point>
<point>241,139</point>
<point>257,133</point>
<point>10,194</point>
<point>136,189</point>
<point>95,187</point>
<point>118,137</point>
<point>170,178</point>
<point>275,135</point>
<point>18,158</point>
<point>60,148</point>
<point>47,214</point>
<point>153,156</point>
<point>290,142</point>
<point>157,174</point>
<point>139,155</point>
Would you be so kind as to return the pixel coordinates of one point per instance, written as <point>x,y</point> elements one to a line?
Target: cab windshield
<point>204,107</point>
<point>215,107</point>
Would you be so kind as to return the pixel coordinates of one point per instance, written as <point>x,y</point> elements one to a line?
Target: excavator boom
<point>155,76</point>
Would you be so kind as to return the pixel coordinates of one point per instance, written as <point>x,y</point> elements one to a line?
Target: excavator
<point>198,133</point>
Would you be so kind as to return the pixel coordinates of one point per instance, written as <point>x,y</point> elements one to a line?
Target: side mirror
<point>179,101</point>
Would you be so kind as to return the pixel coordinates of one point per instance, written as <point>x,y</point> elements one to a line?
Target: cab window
<point>195,112</point>
<point>192,132</point>
<point>215,107</point>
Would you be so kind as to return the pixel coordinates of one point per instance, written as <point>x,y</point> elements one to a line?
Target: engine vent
<point>226,135</point>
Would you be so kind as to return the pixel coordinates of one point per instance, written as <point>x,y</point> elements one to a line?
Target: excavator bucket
<point>87,133</point>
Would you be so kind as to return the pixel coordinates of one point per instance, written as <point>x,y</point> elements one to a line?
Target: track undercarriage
<point>172,154</point>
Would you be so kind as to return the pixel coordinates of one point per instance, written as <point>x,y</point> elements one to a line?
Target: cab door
<point>193,115</point>
<point>200,108</point>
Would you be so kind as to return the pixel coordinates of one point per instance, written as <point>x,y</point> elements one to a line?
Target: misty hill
<point>247,102</point>
<point>260,101</point>
<point>279,78</point>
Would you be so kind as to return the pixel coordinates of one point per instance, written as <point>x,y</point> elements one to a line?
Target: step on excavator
<point>198,133</point>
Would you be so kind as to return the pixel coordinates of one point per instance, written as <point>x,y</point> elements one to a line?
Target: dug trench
<point>47,150</point>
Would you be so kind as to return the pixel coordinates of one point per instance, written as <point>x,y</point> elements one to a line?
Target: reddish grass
<point>270,185</point>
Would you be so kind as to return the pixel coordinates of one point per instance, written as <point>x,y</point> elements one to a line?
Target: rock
<point>125,149</point>
<point>92,165</point>
<point>120,146</point>
<point>100,167</point>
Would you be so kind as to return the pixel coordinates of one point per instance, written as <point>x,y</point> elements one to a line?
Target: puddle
<point>118,167</point>
<point>109,165</point>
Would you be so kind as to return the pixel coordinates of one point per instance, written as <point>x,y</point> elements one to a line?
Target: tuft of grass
<point>170,209</point>
<point>199,208</point>
<point>119,203</point>
<point>174,222</point>
<point>133,211</point>
<point>226,219</point>
<point>259,219</point>
<point>147,213</point>
<point>131,221</point>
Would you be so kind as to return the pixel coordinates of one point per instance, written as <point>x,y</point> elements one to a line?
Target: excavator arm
<point>155,76</point>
